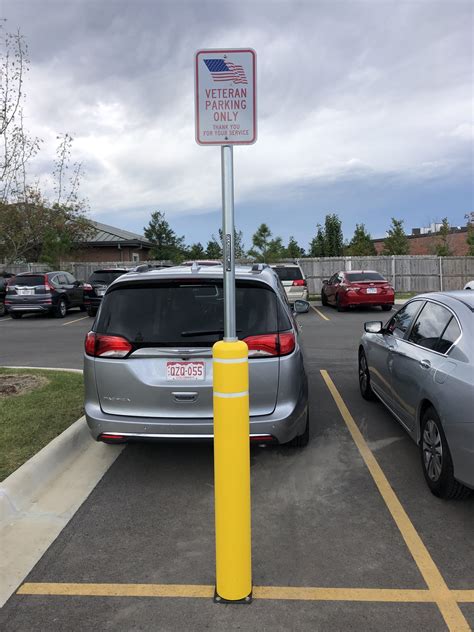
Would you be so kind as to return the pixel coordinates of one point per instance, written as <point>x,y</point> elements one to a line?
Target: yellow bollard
<point>232,471</point>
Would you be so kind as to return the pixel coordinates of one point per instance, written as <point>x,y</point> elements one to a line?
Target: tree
<point>32,226</point>
<point>196,251</point>
<point>293,251</point>
<point>213,250</point>
<point>361,244</point>
<point>266,249</point>
<point>470,234</point>
<point>333,239</point>
<point>167,246</point>
<point>397,242</point>
<point>317,244</point>
<point>442,248</point>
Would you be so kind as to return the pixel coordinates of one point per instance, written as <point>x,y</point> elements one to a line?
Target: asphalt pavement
<point>321,519</point>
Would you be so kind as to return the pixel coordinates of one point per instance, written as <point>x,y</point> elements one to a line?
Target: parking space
<point>345,533</point>
<point>42,341</point>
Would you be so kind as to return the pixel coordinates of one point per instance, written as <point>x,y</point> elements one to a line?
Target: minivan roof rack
<point>258,267</point>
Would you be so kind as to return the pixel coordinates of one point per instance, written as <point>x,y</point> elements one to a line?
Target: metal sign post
<point>226,116</point>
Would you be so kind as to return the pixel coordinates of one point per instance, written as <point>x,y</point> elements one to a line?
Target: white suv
<point>293,280</point>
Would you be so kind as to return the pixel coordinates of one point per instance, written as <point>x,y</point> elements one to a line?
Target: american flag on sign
<point>223,70</point>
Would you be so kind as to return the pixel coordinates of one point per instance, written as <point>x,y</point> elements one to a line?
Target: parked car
<point>293,280</point>
<point>469,286</point>
<point>421,366</point>
<point>97,284</point>
<point>51,293</point>
<point>357,287</point>
<point>151,322</point>
<point>5,279</point>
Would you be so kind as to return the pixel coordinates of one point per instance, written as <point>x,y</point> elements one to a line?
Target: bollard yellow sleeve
<point>232,471</point>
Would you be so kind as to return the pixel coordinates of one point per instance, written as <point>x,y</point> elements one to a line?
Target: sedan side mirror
<point>373,327</point>
<point>301,307</point>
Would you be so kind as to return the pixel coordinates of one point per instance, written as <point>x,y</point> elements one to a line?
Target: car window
<point>400,323</point>
<point>364,276</point>
<point>430,325</point>
<point>61,279</point>
<point>104,278</point>
<point>449,336</point>
<point>30,280</point>
<point>289,273</point>
<point>185,314</point>
<point>70,278</point>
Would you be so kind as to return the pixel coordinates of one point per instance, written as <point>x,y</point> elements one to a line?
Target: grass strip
<point>31,420</point>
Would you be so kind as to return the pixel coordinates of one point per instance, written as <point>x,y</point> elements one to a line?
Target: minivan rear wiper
<point>202,332</point>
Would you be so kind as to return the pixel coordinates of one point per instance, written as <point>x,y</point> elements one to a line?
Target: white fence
<point>410,273</point>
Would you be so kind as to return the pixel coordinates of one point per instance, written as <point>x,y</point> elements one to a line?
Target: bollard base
<point>245,601</point>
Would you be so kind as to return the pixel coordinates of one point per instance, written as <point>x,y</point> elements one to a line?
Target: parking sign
<point>225,97</point>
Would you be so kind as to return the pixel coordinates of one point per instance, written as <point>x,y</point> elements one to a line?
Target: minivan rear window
<point>289,274</point>
<point>187,314</point>
<point>364,276</point>
<point>105,278</point>
<point>30,280</point>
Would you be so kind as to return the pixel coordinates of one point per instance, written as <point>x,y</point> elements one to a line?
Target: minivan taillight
<point>101,346</point>
<point>270,344</point>
<point>299,282</point>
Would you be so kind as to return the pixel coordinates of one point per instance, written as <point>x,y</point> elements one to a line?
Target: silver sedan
<point>420,365</point>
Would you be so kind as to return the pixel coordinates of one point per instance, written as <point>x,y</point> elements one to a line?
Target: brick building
<point>112,244</point>
<point>425,244</point>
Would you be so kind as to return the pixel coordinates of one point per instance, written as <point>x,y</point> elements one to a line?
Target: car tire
<point>91,312</point>
<point>436,459</point>
<point>324,299</point>
<point>364,378</point>
<point>340,308</point>
<point>3,310</point>
<point>386,308</point>
<point>302,440</point>
<point>82,308</point>
<point>61,309</point>
<point>15,315</point>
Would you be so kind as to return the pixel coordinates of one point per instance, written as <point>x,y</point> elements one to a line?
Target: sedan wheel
<point>364,378</point>
<point>61,309</point>
<point>436,459</point>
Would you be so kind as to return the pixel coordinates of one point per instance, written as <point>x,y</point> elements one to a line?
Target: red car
<point>357,287</point>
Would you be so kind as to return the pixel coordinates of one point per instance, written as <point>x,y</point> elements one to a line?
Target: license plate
<point>371,290</point>
<point>25,292</point>
<point>185,370</point>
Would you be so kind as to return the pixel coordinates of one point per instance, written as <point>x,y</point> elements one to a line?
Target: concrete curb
<point>22,488</point>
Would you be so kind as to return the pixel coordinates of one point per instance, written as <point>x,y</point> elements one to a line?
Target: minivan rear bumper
<point>285,423</point>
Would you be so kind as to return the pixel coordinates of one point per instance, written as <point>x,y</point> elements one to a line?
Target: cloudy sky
<point>364,109</point>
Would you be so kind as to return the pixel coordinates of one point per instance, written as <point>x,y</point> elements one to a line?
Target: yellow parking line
<point>277,593</point>
<point>445,600</point>
<point>76,320</point>
<point>320,313</point>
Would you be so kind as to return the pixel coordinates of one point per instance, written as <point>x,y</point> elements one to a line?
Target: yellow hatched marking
<point>319,313</point>
<point>445,600</point>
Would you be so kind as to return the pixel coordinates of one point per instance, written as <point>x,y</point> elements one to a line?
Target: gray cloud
<point>355,88</point>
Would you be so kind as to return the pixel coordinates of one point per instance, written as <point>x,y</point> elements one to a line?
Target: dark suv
<point>5,279</point>
<point>51,293</point>
<point>96,286</point>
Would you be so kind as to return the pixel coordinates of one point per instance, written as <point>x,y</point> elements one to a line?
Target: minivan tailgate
<point>139,386</point>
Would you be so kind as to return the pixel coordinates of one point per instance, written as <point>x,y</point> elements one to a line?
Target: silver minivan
<point>148,358</point>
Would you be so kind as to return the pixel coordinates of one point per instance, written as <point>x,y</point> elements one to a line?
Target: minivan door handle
<point>425,364</point>
<point>181,396</point>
